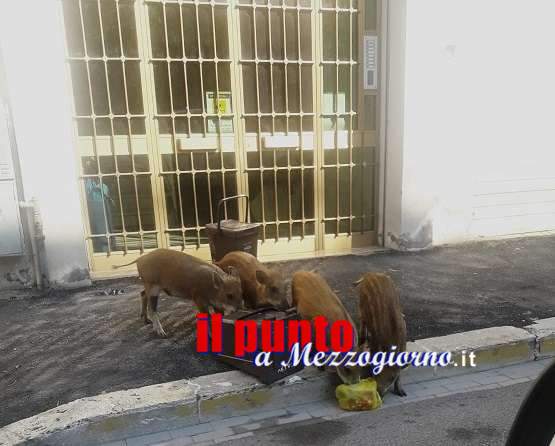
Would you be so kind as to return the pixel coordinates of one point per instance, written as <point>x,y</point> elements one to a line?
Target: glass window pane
<point>206,32</point>
<point>92,28</point>
<point>110,29</point>
<point>247,33</point>
<point>128,28</point>
<point>190,37</point>
<point>157,30</point>
<point>74,33</point>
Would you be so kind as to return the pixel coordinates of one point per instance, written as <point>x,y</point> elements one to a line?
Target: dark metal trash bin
<point>268,374</point>
<point>232,235</point>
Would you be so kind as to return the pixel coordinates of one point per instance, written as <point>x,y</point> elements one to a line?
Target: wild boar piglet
<point>181,275</point>
<point>382,324</point>
<point>313,297</point>
<point>262,286</point>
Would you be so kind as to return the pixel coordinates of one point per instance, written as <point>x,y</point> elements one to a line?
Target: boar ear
<point>262,277</point>
<point>216,280</point>
<point>233,272</point>
<point>363,347</point>
<point>356,283</point>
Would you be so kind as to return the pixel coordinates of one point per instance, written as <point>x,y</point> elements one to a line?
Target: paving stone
<point>428,392</point>
<point>235,437</point>
<point>517,374</point>
<point>294,418</point>
<point>468,379</point>
<point>521,380</point>
<point>150,439</point>
<point>325,410</point>
<point>268,414</point>
<point>293,410</point>
<point>225,432</point>
<point>457,386</point>
<point>247,427</point>
<point>343,414</point>
<point>491,386</point>
<point>417,374</point>
<point>204,443</point>
<point>230,422</point>
<point>183,441</point>
<point>191,430</point>
<point>437,383</point>
<point>489,378</point>
<point>540,365</point>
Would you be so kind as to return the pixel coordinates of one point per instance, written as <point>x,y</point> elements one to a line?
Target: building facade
<point>349,124</point>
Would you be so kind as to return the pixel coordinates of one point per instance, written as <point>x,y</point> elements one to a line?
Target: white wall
<point>478,146</point>
<point>469,131</point>
<point>32,40</point>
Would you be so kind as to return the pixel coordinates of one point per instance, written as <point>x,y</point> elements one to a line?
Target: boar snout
<point>349,375</point>
<point>230,291</point>
<point>274,289</point>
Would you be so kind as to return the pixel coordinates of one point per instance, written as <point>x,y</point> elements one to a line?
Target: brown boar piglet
<point>262,286</point>
<point>313,297</point>
<point>382,325</point>
<point>181,275</point>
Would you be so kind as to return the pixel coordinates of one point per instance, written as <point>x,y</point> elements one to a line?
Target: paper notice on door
<point>219,105</point>
<point>370,63</point>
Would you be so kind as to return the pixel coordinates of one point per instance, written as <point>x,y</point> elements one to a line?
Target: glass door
<point>277,66</point>
<point>181,103</point>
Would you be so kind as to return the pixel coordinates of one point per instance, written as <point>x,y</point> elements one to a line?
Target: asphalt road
<point>476,418</point>
<point>65,345</point>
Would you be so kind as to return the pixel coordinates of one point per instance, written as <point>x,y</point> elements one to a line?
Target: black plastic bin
<point>268,374</point>
<point>231,235</point>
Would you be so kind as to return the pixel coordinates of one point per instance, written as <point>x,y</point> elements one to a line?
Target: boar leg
<point>362,338</point>
<point>398,387</point>
<point>144,303</point>
<point>152,292</point>
<point>202,305</point>
<point>155,319</point>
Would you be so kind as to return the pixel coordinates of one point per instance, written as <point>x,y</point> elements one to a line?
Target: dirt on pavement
<point>63,345</point>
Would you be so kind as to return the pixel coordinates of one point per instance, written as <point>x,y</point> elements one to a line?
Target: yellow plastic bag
<point>361,396</point>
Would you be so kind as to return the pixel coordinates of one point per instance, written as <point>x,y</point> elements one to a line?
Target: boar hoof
<point>160,332</point>
<point>398,388</point>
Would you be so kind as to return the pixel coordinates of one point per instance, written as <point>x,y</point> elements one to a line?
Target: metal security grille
<point>277,83</point>
<point>347,122</point>
<point>179,103</point>
<point>104,61</point>
<point>191,67</point>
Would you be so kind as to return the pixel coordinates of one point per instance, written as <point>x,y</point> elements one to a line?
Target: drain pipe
<point>30,208</point>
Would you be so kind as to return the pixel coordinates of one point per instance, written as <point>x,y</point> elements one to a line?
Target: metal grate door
<point>347,125</point>
<point>116,161</point>
<point>179,103</point>
<point>277,71</point>
<point>192,73</point>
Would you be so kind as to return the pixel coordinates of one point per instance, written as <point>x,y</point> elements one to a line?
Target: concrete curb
<point>544,331</point>
<point>177,404</point>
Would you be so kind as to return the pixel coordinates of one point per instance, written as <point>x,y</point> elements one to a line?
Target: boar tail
<point>126,264</point>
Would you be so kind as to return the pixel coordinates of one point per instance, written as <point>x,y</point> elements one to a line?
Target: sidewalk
<point>67,345</point>
<point>241,427</point>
